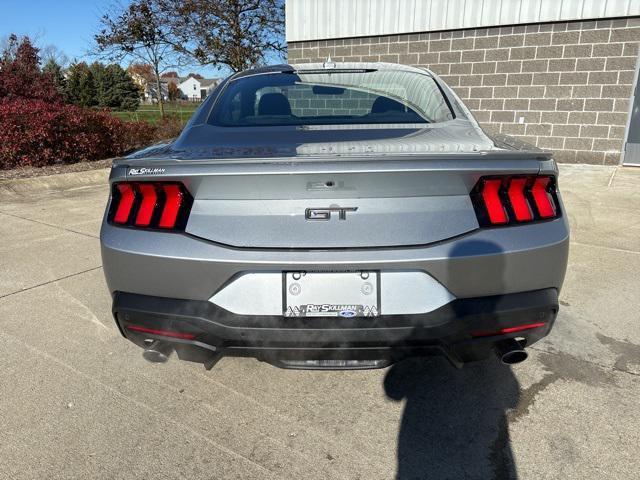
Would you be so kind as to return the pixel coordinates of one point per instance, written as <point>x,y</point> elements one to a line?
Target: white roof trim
<point>324,19</point>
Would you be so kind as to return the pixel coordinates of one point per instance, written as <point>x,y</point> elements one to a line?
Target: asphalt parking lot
<point>78,401</point>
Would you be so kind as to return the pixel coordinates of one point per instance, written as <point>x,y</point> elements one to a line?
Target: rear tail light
<point>126,196</point>
<point>174,197</point>
<point>154,205</point>
<point>542,199</point>
<point>508,200</point>
<point>515,192</point>
<point>492,202</point>
<point>147,205</point>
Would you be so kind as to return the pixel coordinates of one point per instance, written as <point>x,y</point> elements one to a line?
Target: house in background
<point>562,75</point>
<point>144,78</point>
<point>193,87</point>
<point>150,92</point>
<point>196,89</point>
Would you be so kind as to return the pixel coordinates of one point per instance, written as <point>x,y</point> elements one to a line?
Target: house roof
<point>204,82</point>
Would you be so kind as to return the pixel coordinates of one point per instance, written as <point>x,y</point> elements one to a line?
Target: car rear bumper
<point>463,330</point>
<point>488,261</point>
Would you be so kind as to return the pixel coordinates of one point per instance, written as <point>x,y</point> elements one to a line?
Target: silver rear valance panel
<point>401,293</point>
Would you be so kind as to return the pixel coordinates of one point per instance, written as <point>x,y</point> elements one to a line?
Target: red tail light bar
<point>509,200</point>
<point>162,333</point>
<point>152,205</point>
<point>504,331</point>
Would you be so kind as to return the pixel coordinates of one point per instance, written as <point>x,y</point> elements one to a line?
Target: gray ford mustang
<point>335,215</point>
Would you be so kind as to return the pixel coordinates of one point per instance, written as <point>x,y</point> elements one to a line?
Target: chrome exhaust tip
<point>510,352</point>
<point>157,352</point>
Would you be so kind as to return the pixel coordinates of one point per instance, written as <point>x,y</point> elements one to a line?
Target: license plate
<point>354,294</point>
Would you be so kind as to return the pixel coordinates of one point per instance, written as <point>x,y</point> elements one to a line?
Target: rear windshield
<point>325,97</point>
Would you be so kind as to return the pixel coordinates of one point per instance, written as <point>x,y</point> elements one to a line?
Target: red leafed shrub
<point>37,129</point>
<point>20,74</point>
<point>168,127</point>
<point>37,133</point>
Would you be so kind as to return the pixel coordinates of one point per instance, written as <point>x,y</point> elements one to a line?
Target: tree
<point>9,47</point>
<point>51,52</point>
<point>143,70</point>
<point>104,86</point>
<point>20,74</point>
<point>142,75</point>
<point>101,84</point>
<point>139,32</point>
<point>55,72</point>
<point>121,91</point>
<point>81,86</point>
<point>173,92</point>
<point>236,33</point>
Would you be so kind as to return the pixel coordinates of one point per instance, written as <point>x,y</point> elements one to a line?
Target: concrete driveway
<point>78,401</point>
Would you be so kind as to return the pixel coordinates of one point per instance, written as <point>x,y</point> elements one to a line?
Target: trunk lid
<point>370,189</point>
<point>346,205</point>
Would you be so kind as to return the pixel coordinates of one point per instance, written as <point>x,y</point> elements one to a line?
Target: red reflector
<point>491,198</point>
<point>172,206</point>
<point>503,331</point>
<point>518,201</point>
<point>162,333</point>
<point>542,199</point>
<point>520,328</point>
<point>148,204</point>
<point>127,196</point>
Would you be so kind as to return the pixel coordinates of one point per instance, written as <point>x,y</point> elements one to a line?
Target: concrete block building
<point>562,75</point>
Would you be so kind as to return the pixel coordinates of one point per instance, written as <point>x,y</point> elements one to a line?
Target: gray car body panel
<point>485,262</point>
<point>410,183</point>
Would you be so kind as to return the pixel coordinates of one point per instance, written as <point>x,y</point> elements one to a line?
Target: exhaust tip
<point>510,352</point>
<point>516,356</point>
<point>157,352</point>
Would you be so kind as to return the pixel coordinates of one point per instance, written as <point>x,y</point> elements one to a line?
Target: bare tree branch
<point>237,34</point>
<point>137,31</point>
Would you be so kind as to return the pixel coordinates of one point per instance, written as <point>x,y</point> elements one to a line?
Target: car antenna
<point>328,63</point>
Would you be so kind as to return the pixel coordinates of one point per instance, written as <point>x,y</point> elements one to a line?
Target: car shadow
<point>454,423</point>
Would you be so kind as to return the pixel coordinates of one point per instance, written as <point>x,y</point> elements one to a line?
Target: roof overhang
<point>329,19</point>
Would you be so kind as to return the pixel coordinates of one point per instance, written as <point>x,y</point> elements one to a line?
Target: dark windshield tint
<point>354,97</point>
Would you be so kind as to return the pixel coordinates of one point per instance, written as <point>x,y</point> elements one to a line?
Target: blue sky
<point>67,24</point>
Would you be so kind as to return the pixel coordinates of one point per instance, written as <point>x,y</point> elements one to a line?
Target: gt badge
<point>325,213</point>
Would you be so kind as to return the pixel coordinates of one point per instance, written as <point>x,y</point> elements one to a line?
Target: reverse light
<point>508,200</point>
<point>154,205</point>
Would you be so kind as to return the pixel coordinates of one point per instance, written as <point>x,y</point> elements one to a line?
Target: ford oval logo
<point>347,313</point>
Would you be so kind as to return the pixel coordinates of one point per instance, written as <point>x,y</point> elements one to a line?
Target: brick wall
<point>569,83</point>
<point>349,103</point>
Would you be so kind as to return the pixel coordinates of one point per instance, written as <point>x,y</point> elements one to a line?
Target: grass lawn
<point>151,113</point>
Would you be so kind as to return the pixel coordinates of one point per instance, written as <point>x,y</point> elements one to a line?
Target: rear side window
<point>331,98</point>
